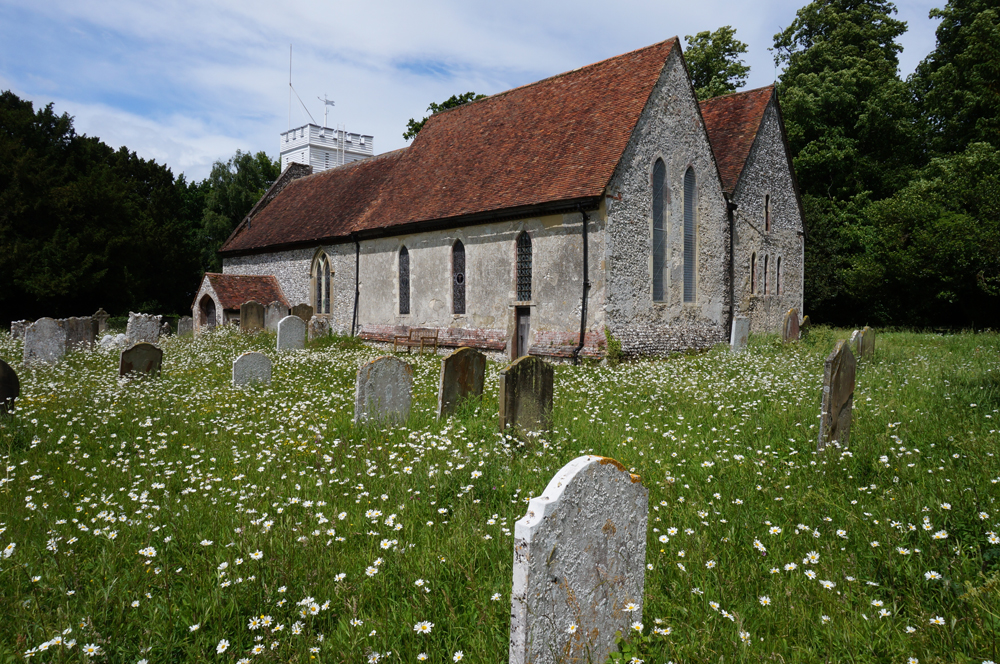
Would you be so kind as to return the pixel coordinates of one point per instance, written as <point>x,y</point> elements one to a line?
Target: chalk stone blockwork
<point>291,333</point>
<point>251,317</point>
<point>579,558</point>
<point>790,329</point>
<point>838,396</point>
<point>10,387</point>
<point>141,358</point>
<point>384,390</point>
<point>143,328</point>
<point>526,392</point>
<point>251,367</point>
<point>740,334</point>
<point>44,341</point>
<point>463,375</point>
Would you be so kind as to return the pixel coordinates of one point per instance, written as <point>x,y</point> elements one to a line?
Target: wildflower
<point>631,606</point>
<point>637,626</point>
<point>371,571</point>
<point>775,530</point>
<point>340,577</point>
<point>710,564</point>
<point>223,645</point>
<point>937,620</point>
<point>874,544</point>
<point>901,551</point>
<point>253,624</point>
<point>825,619</point>
<point>356,623</point>
<point>457,657</point>
<point>257,649</point>
<point>829,585</point>
<point>811,574</point>
<point>883,613</point>
<point>206,542</point>
<point>9,550</point>
<point>842,534</point>
<point>256,555</point>
<point>877,603</point>
<point>571,629</point>
<point>910,630</point>
<point>149,552</point>
<point>664,539</point>
<point>423,627</point>
<point>714,605</point>
<point>932,576</point>
<point>811,558</point>
<point>940,535</point>
<point>495,597</point>
<point>745,637</point>
<point>135,604</point>
<point>422,656</point>
<point>194,627</point>
<point>764,600</point>
<point>791,567</point>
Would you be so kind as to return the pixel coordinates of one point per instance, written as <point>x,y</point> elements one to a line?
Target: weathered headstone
<point>79,332</point>
<point>251,317</point>
<point>101,318</point>
<point>805,323</point>
<point>165,329</point>
<point>838,396</point>
<point>10,387</point>
<point>855,342</point>
<point>740,333</point>
<point>463,374</point>
<point>251,368</point>
<point>142,328</point>
<point>185,326</point>
<point>303,311</point>
<point>866,344</point>
<point>790,329</point>
<point>141,358</point>
<point>526,390</point>
<point>579,563</point>
<point>18,327</point>
<point>384,390</point>
<point>319,326</point>
<point>44,341</point>
<point>291,333</point>
<point>273,314</point>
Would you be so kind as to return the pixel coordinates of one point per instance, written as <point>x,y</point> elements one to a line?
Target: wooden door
<point>523,327</point>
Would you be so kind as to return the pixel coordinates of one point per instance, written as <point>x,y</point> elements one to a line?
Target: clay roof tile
<point>732,122</point>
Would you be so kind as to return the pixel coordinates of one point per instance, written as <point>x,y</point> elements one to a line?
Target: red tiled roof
<point>557,140</point>
<point>236,289</point>
<point>732,122</point>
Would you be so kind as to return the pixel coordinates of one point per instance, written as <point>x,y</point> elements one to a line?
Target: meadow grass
<point>178,519</point>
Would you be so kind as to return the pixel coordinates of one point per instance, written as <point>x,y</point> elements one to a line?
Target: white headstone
<point>579,559</point>
<point>251,368</point>
<point>44,341</point>
<point>384,390</point>
<point>291,333</point>
<point>143,328</point>
<point>740,333</point>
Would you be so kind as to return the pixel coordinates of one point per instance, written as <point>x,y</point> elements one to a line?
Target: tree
<point>714,63</point>
<point>413,127</point>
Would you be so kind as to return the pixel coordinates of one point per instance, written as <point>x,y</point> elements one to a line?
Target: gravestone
<point>303,311</point>
<point>384,390</point>
<point>790,330</point>
<point>463,374</point>
<point>838,396</point>
<point>10,387</point>
<point>273,314</point>
<point>165,329</point>
<point>79,332</point>
<point>740,334</point>
<point>866,344</point>
<point>141,358</point>
<point>44,341</point>
<point>526,390</point>
<point>109,340</point>
<point>185,326</point>
<point>251,368</point>
<point>805,323</point>
<point>251,317</point>
<point>855,342</point>
<point>101,318</point>
<point>18,327</point>
<point>579,559</point>
<point>291,333</point>
<point>319,326</point>
<point>142,328</point>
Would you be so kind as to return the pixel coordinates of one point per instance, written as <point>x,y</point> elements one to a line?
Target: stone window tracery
<point>659,229</point>
<point>458,277</point>
<point>322,283</point>
<point>523,267</point>
<point>404,281</point>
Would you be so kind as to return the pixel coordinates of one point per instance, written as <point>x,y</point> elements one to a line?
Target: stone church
<point>538,220</point>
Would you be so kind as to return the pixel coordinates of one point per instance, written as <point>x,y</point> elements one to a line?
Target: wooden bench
<point>418,337</point>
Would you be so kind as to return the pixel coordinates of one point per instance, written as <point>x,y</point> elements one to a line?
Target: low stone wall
<point>495,340</point>
<point>663,340</point>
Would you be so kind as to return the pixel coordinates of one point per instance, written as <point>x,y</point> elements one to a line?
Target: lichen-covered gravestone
<point>44,341</point>
<point>319,326</point>
<point>18,327</point>
<point>291,333</point>
<point>251,317</point>
<point>866,344</point>
<point>165,329</point>
<point>143,328</point>
<point>740,333</point>
<point>251,368</point>
<point>790,329</point>
<point>273,314</point>
<point>463,374</point>
<point>141,358</point>
<point>101,318</point>
<point>79,332</point>
<point>579,564</point>
<point>10,387</point>
<point>526,391</point>
<point>185,326</point>
<point>855,342</point>
<point>303,311</point>
<point>384,390</point>
<point>838,396</point>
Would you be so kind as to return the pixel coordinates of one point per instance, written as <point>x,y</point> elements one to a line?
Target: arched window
<point>777,277</point>
<point>404,281</point>
<point>523,267</point>
<point>753,273</point>
<point>659,229</point>
<point>767,213</point>
<point>321,278</point>
<point>690,236</point>
<point>458,277</point>
<point>765,275</point>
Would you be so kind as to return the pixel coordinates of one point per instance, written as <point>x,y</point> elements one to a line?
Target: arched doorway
<point>207,307</point>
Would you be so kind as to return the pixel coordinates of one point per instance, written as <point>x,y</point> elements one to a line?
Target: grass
<point>179,519</point>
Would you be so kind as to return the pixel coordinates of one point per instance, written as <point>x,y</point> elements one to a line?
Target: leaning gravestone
<point>463,374</point>
<point>10,387</point>
<point>526,389</point>
<point>838,396</point>
<point>165,329</point>
<point>866,344</point>
<point>251,368</point>
<point>790,329</point>
<point>185,326</point>
<point>44,341</point>
<point>384,390</point>
<point>79,332</point>
<point>855,342</point>
<point>579,559</point>
<point>291,333</point>
<point>251,317</point>
<point>273,313</point>
<point>142,328</point>
<point>303,311</point>
<point>141,358</point>
<point>319,326</point>
<point>740,333</point>
<point>101,318</point>
<point>18,327</point>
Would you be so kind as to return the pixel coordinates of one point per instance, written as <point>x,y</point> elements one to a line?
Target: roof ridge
<point>737,92</point>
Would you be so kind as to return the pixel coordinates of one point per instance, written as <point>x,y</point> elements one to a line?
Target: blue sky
<point>189,82</point>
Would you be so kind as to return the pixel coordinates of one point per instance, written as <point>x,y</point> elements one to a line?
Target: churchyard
<point>177,518</point>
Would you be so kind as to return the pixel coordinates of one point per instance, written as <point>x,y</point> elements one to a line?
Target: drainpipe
<point>357,288</point>
<point>731,209</point>
<point>586,289</point>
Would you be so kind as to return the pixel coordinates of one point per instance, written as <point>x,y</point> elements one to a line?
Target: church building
<point>605,200</point>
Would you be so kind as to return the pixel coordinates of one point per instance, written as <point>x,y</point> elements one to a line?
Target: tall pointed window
<point>659,229</point>
<point>321,281</point>
<point>767,213</point>
<point>753,273</point>
<point>777,277</point>
<point>458,277</point>
<point>523,267</point>
<point>404,281</point>
<point>690,236</point>
<point>765,275</point>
